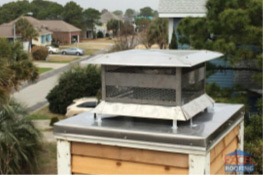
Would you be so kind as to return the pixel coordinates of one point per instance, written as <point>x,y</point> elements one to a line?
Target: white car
<point>52,50</point>
<point>81,105</point>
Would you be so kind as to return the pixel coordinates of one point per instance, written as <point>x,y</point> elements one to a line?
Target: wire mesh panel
<point>141,95</point>
<point>143,85</point>
<point>193,83</point>
<point>193,91</point>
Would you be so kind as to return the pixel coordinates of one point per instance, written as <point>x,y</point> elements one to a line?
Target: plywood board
<point>130,154</point>
<point>92,165</point>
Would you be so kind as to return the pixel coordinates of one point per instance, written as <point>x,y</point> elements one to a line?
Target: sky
<point>111,5</point>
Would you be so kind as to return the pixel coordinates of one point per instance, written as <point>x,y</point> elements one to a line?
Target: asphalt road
<point>34,95</point>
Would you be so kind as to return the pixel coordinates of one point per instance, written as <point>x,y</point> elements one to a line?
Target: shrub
<point>173,44</point>
<point>107,35</point>
<point>75,83</point>
<point>53,121</point>
<point>100,34</point>
<point>39,53</point>
<point>55,44</point>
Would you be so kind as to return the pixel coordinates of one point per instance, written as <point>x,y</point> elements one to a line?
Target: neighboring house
<point>175,10</point>
<point>43,39</point>
<point>104,19</point>
<point>63,32</point>
<point>7,31</point>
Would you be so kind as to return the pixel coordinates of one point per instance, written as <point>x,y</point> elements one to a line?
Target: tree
<point>91,17</point>
<point>76,83</point>
<point>72,14</point>
<point>19,140</point>
<point>15,68</point>
<point>104,11</point>
<point>158,32</point>
<point>26,30</point>
<point>114,25</point>
<point>13,10</point>
<point>130,13</point>
<point>118,13</point>
<point>146,11</point>
<point>46,10</point>
<point>173,44</point>
<point>142,24</point>
<point>127,39</point>
<point>231,27</point>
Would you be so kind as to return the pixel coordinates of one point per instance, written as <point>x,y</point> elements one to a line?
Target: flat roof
<point>206,129</point>
<point>155,58</point>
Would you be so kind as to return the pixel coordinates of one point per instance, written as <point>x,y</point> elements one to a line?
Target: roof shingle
<point>59,26</point>
<point>182,7</point>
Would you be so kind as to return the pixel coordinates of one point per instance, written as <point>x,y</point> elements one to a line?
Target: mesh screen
<point>193,91</point>
<point>143,70</point>
<point>143,95</point>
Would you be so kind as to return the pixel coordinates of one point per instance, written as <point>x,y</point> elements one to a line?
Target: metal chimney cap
<point>155,58</point>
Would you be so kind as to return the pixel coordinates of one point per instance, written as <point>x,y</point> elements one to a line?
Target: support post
<point>170,29</point>
<point>63,157</point>
<point>103,84</point>
<point>178,86</point>
<point>241,136</point>
<point>174,124</point>
<point>199,164</point>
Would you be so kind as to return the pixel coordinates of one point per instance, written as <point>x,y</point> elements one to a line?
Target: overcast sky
<point>107,4</point>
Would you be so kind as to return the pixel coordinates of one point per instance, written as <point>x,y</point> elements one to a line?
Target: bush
<point>107,35</point>
<point>53,121</point>
<point>55,44</point>
<point>173,44</point>
<point>76,83</point>
<point>39,53</point>
<point>100,34</point>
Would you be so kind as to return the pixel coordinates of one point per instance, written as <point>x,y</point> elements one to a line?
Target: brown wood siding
<point>217,155</point>
<point>100,159</point>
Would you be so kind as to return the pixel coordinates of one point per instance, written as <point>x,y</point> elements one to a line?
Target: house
<point>44,38</point>
<point>105,18</point>
<point>7,31</point>
<point>175,10</point>
<point>63,32</point>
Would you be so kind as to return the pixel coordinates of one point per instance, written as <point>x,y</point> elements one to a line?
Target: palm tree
<point>19,140</point>
<point>15,67</point>
<point>26,30</point>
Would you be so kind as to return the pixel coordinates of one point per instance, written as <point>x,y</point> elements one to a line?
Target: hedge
<point>76,83</point>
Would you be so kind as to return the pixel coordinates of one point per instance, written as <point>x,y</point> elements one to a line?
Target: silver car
<point>73,51</point>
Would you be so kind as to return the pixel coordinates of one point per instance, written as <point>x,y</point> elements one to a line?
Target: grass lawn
<point>47,160</point>
<point>44,113</point>
<point>91,46</point>
<point>42,70</point>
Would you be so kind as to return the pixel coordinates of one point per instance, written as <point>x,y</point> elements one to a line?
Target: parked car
<point>81,105</point>
<point>73,51</point>
<point>52,50</point>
